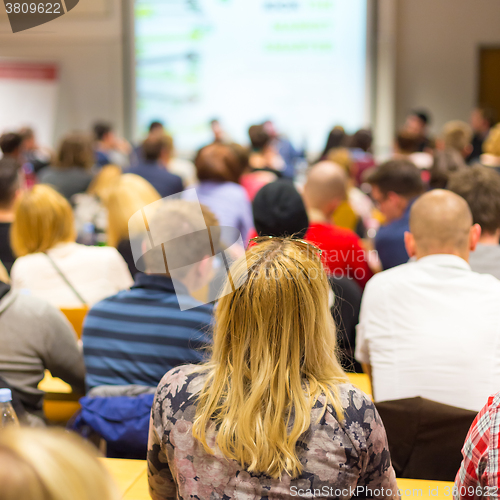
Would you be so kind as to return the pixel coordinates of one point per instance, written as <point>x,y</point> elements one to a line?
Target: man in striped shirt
<point>137,335</point>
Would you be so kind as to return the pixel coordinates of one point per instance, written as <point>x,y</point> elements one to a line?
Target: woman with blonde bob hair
<point>272,411</point>
<point>129,195</point>
<point>51,465</point>
<point>50,264</point>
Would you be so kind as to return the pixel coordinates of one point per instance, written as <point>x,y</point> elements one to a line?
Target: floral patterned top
<point>340,460</point>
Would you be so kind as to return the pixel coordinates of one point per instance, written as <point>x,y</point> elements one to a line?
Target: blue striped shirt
<point>137,335</point>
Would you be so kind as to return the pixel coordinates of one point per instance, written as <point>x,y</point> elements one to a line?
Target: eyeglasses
<point>306,245</point>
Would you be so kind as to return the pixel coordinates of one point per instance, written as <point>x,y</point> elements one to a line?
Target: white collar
<point>444,260</point>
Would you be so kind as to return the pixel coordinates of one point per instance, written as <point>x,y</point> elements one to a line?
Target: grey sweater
<point>35,336</point>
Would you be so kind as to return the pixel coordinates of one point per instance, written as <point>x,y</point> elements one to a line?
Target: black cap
<point>278,210</point>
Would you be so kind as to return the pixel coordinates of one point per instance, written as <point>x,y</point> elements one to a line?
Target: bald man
<point>325,189</point>
<point>431,327</point>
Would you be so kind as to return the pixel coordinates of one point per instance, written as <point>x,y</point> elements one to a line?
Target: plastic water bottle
<point>8,416</point>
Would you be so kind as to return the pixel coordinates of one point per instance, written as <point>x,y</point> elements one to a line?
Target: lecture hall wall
<point>436,64</point>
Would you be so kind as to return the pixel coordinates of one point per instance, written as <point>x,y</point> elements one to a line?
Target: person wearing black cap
<point>279,211</point>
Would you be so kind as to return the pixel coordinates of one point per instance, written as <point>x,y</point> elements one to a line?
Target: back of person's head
<point>274,355</point>
<point>130,193</point>
<point>219,162</point>
<point>362,139</point>
<point>167,144</point>
<point>423,115</point>
<point>446,163</point>
<point>101,130</point>
<point>104,181</point>
<point>9,182</point>
<point>487,114</point>
<point>440,223</point>
<point>259,137</point>
<point>181,226</point>
<point>397,176</point>
<point>326,185</point>
<point>407,142</point>
<point>480,187</point>
<point>152,149</point>
<point>156,126</point>
<point>10,143</point>
<point>342,157</point>
<point>42,219</point>
<point>41,464</point>
<point>491,145</point>
<point>457,135</point>
<point>278,210</point>
<point>337,138</point>
<point>75,150</point>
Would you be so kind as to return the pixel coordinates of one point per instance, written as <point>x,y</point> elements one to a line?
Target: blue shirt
<point>137,335</point>
<point>390,241</point>
<point>159,177</point>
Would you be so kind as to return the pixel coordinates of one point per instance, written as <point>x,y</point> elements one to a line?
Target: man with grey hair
<point>137,335</point>
<point>431,327</point>
<point>325,189</point>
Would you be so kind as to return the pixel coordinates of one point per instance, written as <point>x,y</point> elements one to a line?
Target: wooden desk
<point>131,477</point>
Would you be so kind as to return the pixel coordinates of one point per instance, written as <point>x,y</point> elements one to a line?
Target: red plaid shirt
<point>479,475</point>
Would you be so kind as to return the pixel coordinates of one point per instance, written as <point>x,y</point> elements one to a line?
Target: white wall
<point>438,55</point>
<point>87,45</point>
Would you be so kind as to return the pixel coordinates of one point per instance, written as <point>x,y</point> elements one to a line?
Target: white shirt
<point>95,273</point>
<point>431,328</point>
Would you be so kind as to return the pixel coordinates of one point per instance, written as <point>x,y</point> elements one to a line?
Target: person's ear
<point>474,236</point>
<point>411,248</point>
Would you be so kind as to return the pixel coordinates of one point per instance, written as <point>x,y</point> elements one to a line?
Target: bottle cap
<point>5,395</point>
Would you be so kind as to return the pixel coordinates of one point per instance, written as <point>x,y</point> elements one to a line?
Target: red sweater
<point>342,252</point>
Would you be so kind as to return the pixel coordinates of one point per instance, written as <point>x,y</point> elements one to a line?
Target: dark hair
<point>152,148</point>
<point>336,139</point>
<point>445,163</point>
<point>423,115</point>
<point>219,162</point>
<point>9,180</point>
<point>489,114</point>
<point>398,176</point>
<point>27,133</point>
<point>407,143</point>
<point>75,151</point>
<point>362,139</point>
<point>259,137</point>
<point>101,129</point>
<point>480,187</point>
<point>10,143</point>
<point>154,125</point>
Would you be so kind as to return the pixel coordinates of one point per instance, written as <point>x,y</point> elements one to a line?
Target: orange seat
<point>76,316</point>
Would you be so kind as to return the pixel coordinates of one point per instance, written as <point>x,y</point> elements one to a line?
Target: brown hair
<point>153,148</point>
<point>75,151</point>
<point>480,187</point>
<point>457,135</point>
<point>398,176</point>
<point>258,137</point>
<point>407,143</point>
<point>219,162</point>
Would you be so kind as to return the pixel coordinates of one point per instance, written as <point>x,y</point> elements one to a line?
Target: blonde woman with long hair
<point>51,465</point>
<point>272,413</point>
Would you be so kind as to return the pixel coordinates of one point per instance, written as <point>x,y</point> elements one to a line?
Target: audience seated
<point>360,146</point>
<point>337,138</point>
<point>479,476</point>
<point>407,147</point>
<point>51,465</point>
<point>429,328</point>
<point>129,195</point>
<point>417,124</point>
<point>91,215</point>
<point>185,169</point>
<point>50,264</point>
<point>279,211</point>
<point>152,169</point>
<point>11,145</point>
<point>481,120</point>
<point>133,337</point>
<point>32,153</point>
<point>109,149</point>
<point>9,191</point>
<point>395,186</point>
<point>265,163</point>
<point>480,187</point>
<point>446,163</point>
<point>324,191</point>
<point>457,135</point>
<point>491,148</point>
<point>34,337</point>
<point>219,168</point>
<point>72,172</point>
<point>156,129</point>
<point>272,411</point>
